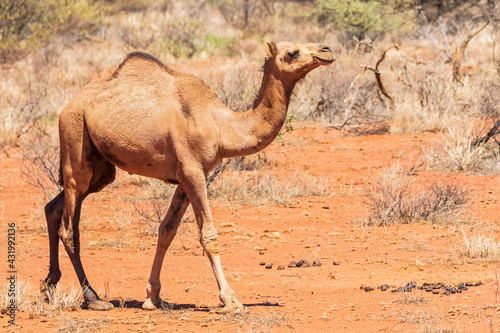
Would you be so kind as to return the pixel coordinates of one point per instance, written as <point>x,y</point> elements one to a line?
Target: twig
<point>459,53</point>
<point>376,71</point>
<point>218,169</point>
<point>496,292</point>
<point>491,133</point>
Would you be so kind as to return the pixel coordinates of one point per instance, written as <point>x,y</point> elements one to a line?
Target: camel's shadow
<point>134,304</point>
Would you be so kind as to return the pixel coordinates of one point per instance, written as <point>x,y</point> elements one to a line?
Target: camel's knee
<point>168,229</point>
<point>66,237</point>
<point>210,241</point>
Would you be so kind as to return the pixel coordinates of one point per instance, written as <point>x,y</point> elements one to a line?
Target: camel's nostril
<point>324,48</point>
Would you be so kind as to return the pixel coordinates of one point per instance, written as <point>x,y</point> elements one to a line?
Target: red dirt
<point>326,229</point>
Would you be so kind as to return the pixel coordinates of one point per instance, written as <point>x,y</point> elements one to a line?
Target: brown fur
<point>150,120</point>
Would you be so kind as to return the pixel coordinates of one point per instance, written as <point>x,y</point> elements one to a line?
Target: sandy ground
<point>325,229</point>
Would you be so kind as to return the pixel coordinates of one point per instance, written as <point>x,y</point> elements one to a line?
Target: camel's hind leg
<point>53,214</point>
<point>77,187</point>
<point>166,234</point>
<point>83,173</point>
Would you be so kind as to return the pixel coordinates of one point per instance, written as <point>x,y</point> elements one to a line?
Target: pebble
<point>261,253</point>
<point>316,263</point>
<point>280,268</point>
<point>336,263</point>
<point>270,266</point>
<point>262,263</point>
<point>292,264</point>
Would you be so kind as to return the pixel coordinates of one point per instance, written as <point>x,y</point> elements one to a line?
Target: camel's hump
<point>141,56</point>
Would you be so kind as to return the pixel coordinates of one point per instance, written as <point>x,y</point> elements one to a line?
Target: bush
<point>30,23</point>
<point>393,200</point>
<point>362,18</point>
<point>458,152</point>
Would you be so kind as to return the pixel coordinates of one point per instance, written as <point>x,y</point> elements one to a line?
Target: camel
<point>150,120</point>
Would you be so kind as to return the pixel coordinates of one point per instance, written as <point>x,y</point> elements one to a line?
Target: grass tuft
<point>480,247</point>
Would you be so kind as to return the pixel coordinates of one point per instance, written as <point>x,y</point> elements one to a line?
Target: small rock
<point>292,264</point>
<point>384,287</point>
<point>435,291</point>
<point>270,266</point>
<point>368,289</point>
<point>336,263</point>
<point>261,253</point>
<point>280,268</point>
<point>478,283</point>
<point>262,263</point>
<point>362,287</point>
<point>468,284</point>
<point>316,263</point>
<point>394,290</point>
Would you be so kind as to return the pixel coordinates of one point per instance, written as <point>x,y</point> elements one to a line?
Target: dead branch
<point>458,54</point>
<point>491,133</point>
<point>218,169</point>
<point>377,73</point>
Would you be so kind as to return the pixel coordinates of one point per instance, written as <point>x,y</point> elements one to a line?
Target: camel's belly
<point>137,155</point>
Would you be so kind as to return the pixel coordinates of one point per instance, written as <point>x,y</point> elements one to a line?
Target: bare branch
<point>459,53</point>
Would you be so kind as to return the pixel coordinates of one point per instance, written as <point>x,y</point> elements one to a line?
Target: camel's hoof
<point>46,290</point>
<point>233,307</point>
<point>150,305</point>
<point>100,305</point>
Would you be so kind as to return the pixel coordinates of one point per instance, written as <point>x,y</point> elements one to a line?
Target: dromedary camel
<point>150,120</point>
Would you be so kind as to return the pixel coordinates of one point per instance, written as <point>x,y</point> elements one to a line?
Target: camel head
<point>292,61</point>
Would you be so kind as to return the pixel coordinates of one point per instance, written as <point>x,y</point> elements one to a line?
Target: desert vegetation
<point>419,71</point>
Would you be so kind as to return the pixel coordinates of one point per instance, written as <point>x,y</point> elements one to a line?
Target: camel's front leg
<point>194,184</point>
<point>166,234</point>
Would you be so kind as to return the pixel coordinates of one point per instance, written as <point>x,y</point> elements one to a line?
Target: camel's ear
<point>271,49</point>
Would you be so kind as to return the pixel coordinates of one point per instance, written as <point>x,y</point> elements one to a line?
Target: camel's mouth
<point>324,55</point>
<point>325,60</point>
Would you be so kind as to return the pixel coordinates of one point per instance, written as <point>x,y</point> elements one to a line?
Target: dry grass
<point>68,324</point>
<point>273,320</point>
<point>30,301</point>
<point>412,300</point>
<point>393,199</point>
<point>258,188</point>
<point>431,328</point>
<point>480,247</point>
<point>458,153</point>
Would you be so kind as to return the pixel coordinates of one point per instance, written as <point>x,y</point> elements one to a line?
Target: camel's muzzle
<point>324,55</point>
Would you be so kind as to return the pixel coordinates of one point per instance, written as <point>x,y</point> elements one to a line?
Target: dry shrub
<point>153,202</point>
<point>40,164</point>
<point>458,152</point>
<point>235,84</point>
<point>31,301</point>
<point>340,95</point>
<point>254,188</point>
<point>393,200</point>
<point>480,247</point>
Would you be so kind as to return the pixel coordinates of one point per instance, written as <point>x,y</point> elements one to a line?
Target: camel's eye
<point>293,54</point>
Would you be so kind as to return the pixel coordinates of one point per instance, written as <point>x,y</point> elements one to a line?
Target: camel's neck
<point>249,132</point>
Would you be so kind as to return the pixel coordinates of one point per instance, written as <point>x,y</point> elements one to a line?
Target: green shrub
<point>30,23</point>
<point>365,17</point>
<point>223,45</point>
